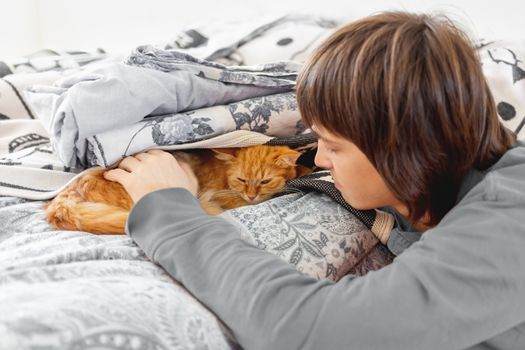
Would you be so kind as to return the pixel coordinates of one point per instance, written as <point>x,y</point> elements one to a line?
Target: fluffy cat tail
<point>98,218</point>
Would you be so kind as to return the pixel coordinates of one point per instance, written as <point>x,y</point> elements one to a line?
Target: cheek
<point>349,175</point>
<point>343,171</point>
<point>363,188</point>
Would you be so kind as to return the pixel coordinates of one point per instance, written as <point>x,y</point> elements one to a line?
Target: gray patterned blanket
<point>74,290</point>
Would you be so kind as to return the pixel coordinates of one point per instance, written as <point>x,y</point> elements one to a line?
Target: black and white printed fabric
<point>504,67</point>
<point>72,290</point>
<point>165,90</point>
<point>260,40</point>
<point>257,107</point>
<point>50,60</point>
<point>40,68</point>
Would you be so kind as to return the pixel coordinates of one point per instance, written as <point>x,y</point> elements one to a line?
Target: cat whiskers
<point>290,190</point>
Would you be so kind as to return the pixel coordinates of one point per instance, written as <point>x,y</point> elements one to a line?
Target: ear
<point>287,160</point>
<point>302,170</point>
<point>225,154</point>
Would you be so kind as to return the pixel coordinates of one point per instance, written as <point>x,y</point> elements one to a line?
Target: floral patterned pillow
<point>313,232</point>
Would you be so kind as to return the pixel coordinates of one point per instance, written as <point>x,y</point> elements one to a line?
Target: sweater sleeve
<point>458,286</point>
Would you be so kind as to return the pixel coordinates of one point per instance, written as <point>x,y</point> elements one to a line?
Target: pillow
<point>313,232</point>
<point>504,68</point>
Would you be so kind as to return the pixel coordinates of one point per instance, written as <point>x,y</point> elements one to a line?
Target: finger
<point>189,173</point>
<point>185,166</point>
<point>161,153</point>
<point>117,175</point>
<point>142,156</point>
<point>181,156</point>
<point>191,177</point>
<point>156,151</point>
<point>129,163</point>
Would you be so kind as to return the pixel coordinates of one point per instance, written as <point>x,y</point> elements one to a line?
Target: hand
<point>151,171</point>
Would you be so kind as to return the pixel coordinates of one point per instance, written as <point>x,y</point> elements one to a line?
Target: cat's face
<point>257,173</point>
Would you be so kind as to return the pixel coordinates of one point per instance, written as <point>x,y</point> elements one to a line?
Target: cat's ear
<point>225,154</point>
<point>287,160</point>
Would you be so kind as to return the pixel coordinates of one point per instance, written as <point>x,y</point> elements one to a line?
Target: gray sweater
<point>461,286</point>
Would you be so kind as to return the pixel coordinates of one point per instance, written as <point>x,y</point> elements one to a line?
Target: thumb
<point>184,165</point>
<point>187,169</point>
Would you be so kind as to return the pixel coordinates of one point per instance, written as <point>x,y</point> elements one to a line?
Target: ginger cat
<point>228,178</point>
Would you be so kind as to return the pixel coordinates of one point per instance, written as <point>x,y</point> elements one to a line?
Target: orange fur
<point>94,204</point>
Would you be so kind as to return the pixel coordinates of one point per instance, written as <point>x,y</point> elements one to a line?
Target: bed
<point>76,290</point>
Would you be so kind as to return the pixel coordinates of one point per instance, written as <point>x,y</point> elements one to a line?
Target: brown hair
<point>408,90</point>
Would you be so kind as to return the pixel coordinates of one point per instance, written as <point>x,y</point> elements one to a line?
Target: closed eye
<point>241,180</point>
<point>265,181</point>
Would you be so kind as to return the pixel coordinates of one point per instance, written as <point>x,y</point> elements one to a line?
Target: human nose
<point>321,158</point>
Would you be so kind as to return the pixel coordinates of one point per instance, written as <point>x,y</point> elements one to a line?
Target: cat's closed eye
<point>241,180</point>
<point>265,181</point>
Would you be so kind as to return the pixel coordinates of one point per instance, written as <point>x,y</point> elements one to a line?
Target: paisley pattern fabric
<point>71,289</point>
<point>311,231</point>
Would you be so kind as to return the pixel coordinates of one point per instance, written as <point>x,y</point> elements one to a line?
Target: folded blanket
<point>273,115</point>
<point>101,128</point>
<point>99,116</point>
<point>118,95</point>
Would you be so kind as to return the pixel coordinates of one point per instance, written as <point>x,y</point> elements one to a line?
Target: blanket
<point>156,99</point>
<point>69,289</point>
<point>157,83</point>
<point>101,131</point>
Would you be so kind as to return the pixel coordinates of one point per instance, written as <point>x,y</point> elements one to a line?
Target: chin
<point>252,201</point>
<point>359,205</point>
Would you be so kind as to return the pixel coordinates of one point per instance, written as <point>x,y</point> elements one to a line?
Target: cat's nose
<point>251,196</point>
